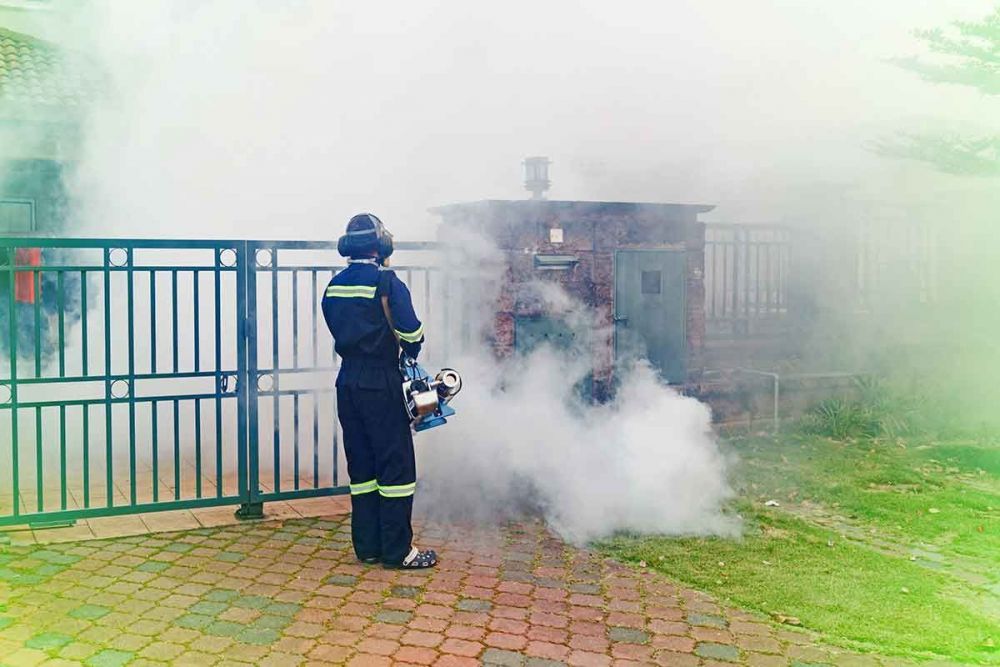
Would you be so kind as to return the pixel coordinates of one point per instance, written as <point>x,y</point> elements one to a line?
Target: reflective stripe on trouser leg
<point>364,487</point>
<point>398,491</point>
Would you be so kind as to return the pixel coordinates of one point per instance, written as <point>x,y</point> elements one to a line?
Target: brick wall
<point>592,232</point>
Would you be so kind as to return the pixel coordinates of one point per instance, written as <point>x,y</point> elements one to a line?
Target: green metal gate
<point>146,375</point>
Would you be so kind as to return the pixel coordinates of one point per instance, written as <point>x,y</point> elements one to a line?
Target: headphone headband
<point>350,245</point>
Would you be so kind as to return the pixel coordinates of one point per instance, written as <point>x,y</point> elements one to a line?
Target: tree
<point>966,54</point>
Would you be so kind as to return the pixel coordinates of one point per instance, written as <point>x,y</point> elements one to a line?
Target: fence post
<point>251,506</point>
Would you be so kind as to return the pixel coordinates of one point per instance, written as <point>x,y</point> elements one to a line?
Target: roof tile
<point>38,72</point>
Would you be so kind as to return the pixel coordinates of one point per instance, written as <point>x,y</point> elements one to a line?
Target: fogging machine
<point>426,398</point>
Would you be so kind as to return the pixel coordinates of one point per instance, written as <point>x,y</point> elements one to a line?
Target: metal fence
<point>147,375</point>
<point>746,277</point>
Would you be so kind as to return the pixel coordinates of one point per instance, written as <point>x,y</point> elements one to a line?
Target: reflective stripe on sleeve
<point>413,337</point>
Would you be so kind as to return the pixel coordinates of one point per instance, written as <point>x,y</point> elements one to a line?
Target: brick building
<point>639,268</point>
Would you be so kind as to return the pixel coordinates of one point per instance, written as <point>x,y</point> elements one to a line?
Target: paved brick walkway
<point>289,593</point>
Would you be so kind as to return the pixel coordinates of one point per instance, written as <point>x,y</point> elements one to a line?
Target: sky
<point>284,118</point>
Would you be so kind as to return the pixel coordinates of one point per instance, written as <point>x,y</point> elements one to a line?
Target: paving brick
<point>588,659</point>
<point>717,651</point>
<point>327,654</point>
<point>109,658</point>
<point>160,650</point>
<point>707,620</point>
<point>763,660</point>
<point>495,656</point>
<point>421,638</point>
<point>508,625</point>
<point>469,632</point>
<point>48,641</point>
<point>629,635</point>
<point>461,647</point>
<point>396,617</point>
<point>368,660</point>
<point>416,655</point>
<point>428,624</point>
<point>449,660</point>
<point>503,640</point>
<point>758,644</point>
<point>474,605</point>
<point>547,650</point>
<point>670,659</point>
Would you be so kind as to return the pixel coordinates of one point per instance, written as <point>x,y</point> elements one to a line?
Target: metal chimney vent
<point>536,176</point>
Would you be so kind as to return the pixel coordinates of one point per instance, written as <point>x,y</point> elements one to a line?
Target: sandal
<point>417,560</point>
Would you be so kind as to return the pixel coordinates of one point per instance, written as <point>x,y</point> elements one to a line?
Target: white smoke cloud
<point>283,118</point>
<point>524,441</point>
<point>246,118</point>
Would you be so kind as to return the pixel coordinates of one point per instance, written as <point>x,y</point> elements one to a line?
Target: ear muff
<point>384,241</point>
<point>365,234</point>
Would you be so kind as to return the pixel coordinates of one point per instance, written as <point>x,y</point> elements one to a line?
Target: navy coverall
<point>378,441</point>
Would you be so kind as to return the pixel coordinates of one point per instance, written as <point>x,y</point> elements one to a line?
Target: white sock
<point>414,552</point>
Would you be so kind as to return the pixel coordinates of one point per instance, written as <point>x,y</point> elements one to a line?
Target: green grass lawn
<point>878,546</point>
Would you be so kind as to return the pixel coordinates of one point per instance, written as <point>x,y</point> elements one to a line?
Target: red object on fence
<point>24,281</point>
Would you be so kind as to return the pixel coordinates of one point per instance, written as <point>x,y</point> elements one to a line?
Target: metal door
<point>650,309</point>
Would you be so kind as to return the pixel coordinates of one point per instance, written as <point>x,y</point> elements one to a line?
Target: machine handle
<point>617,318</point>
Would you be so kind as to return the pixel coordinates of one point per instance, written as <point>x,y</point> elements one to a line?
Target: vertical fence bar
<point>315,319</point>
<point>61,312</point>
<point>295,365</point>
<point>173,320</point>
<point>86,455</point>
<point>130,289</point>
<point>275,375</point>
<point>12,333</point>
<point>39,463</point>
<point>315,362</point>
<point>295,437</point>
<point>218,373</point>
<point>152,321</point>
<point>745,247</point>
<point>108,429</point>
<point>295,319</point>
<point>155,442</point>
<point>445,311</point>
<point>196,302</point>
<point>197,448</point>
<point>84,351</point>
<point>427,297</point>
<point>725,279</point>
<point>756,298</point>
<point>736,277</point>
<point>781,275</point>
<point>177,449</point>
<point>63,482</point>
<point>36,277</point>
